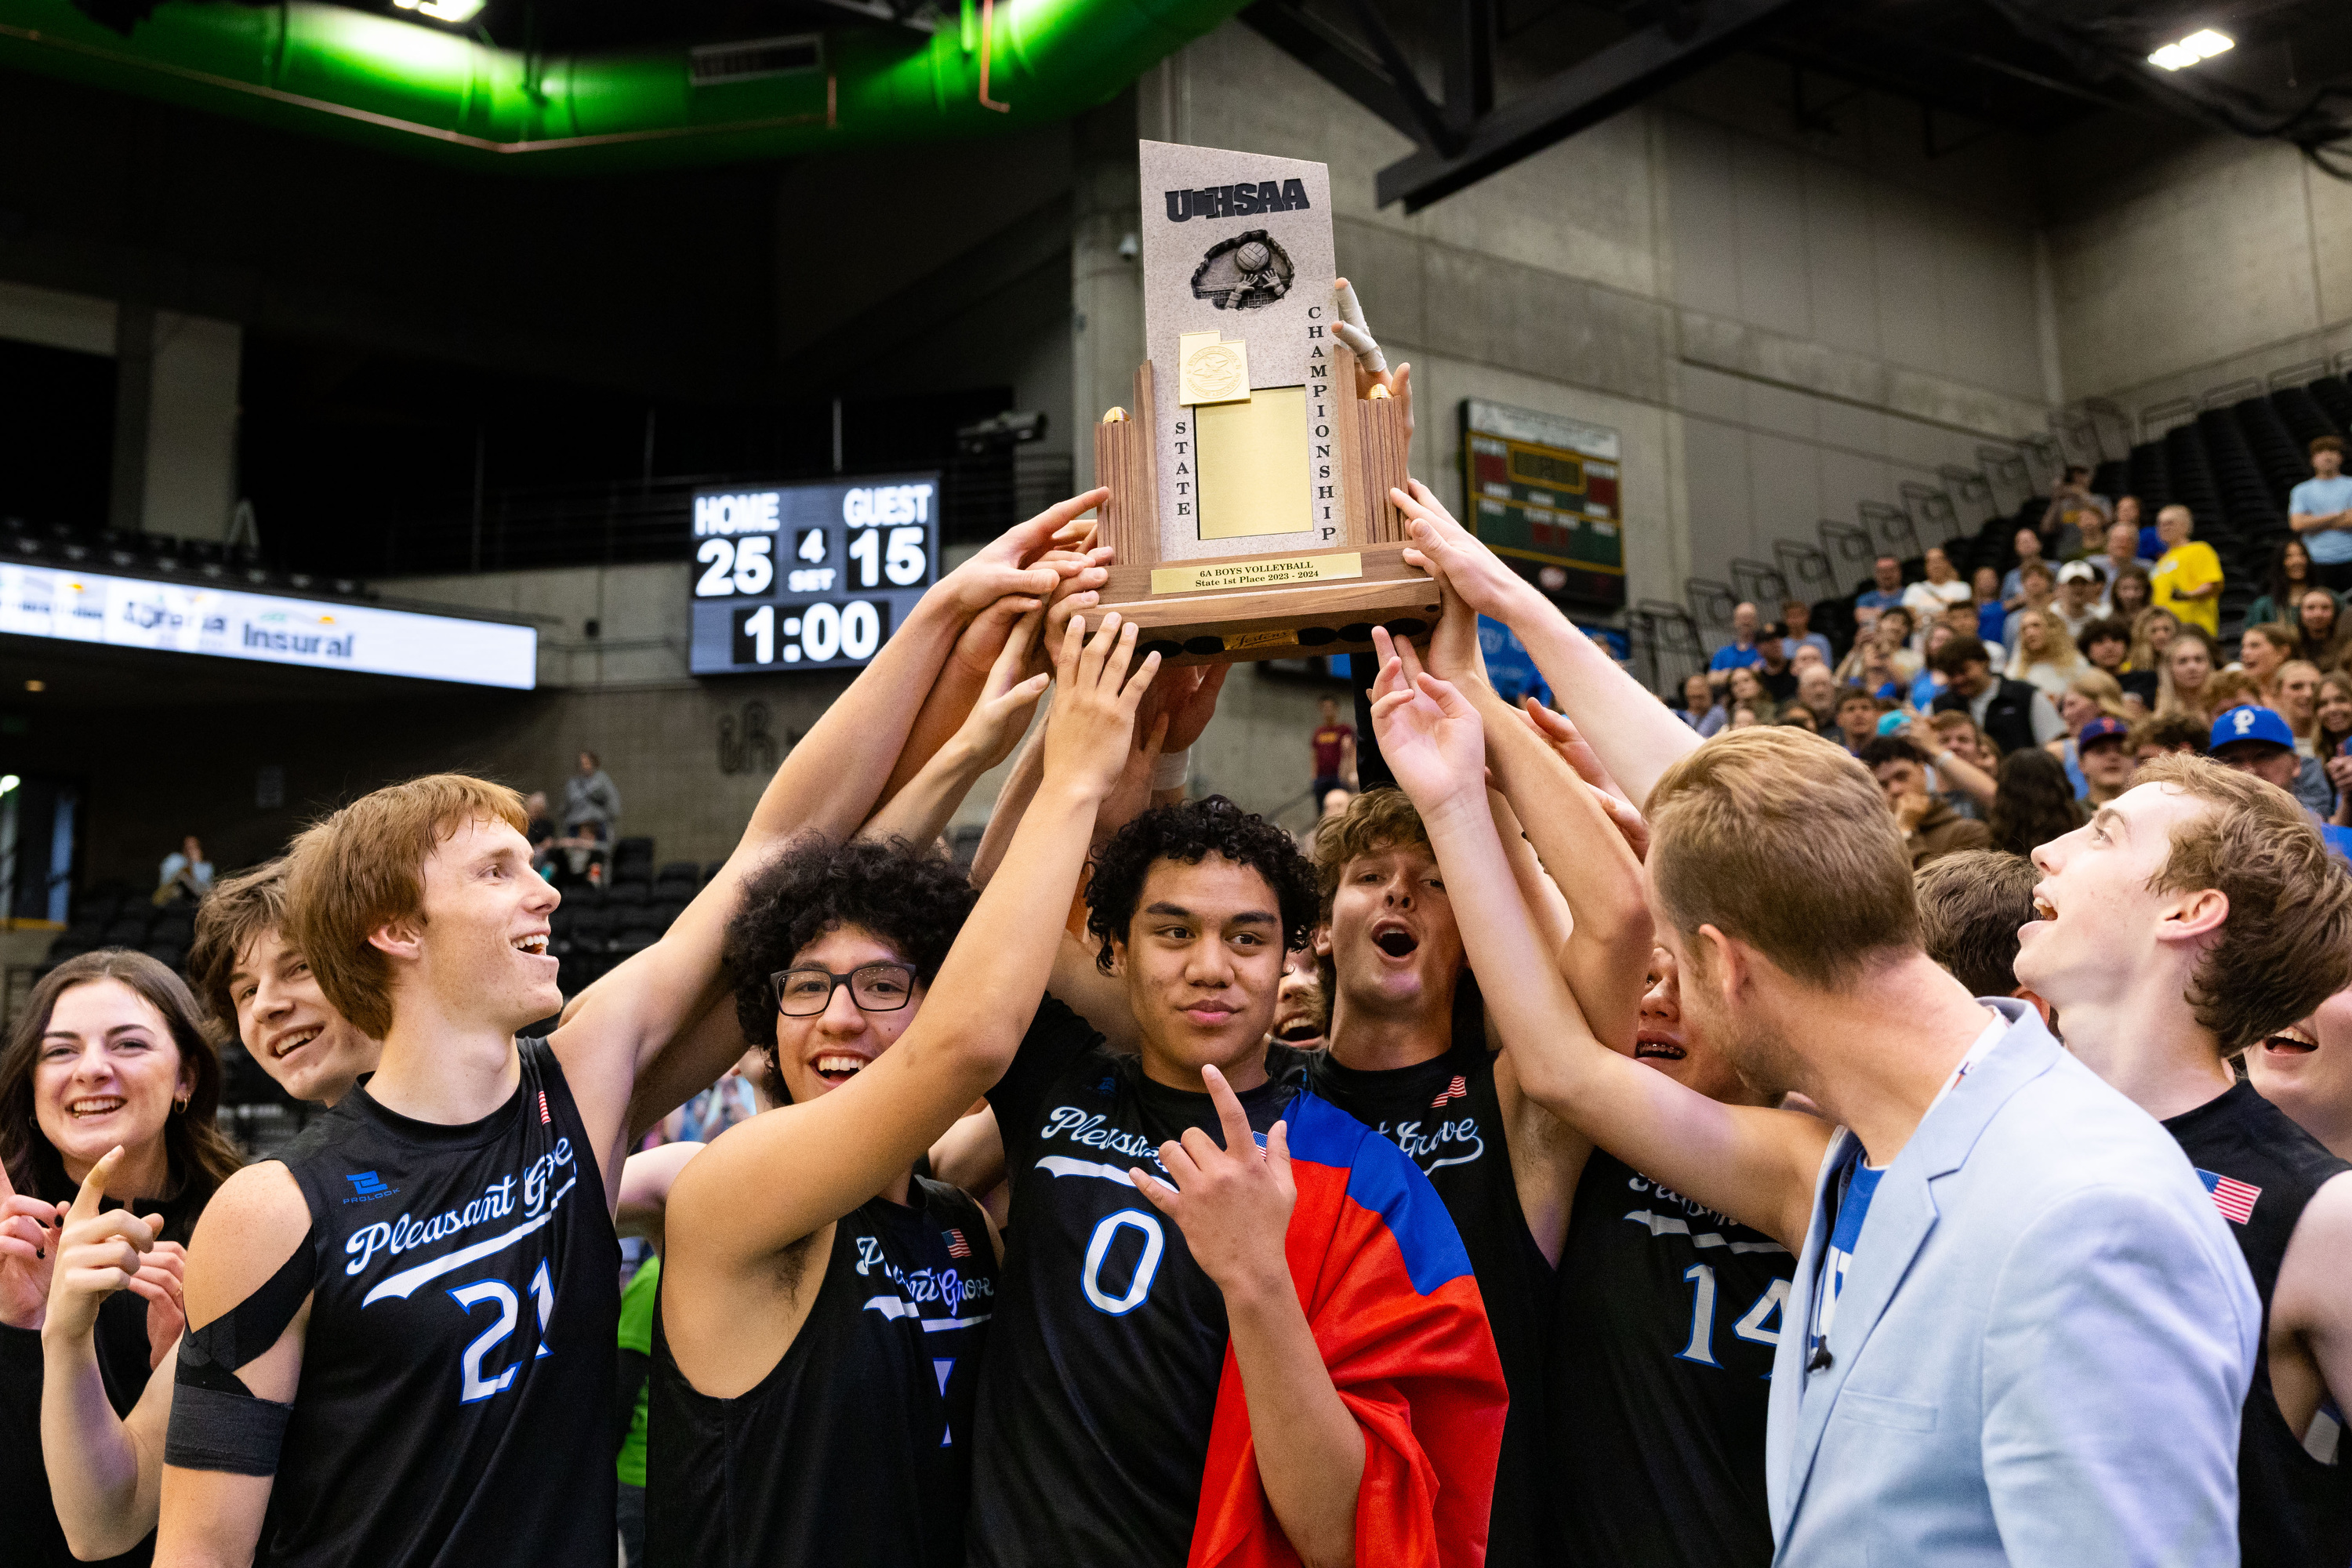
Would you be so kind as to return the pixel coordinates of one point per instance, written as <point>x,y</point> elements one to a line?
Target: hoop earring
<point>181,1105</point>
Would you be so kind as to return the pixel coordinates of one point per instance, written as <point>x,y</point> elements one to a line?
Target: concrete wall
<point>2183,262</point>
<point>186,471</point>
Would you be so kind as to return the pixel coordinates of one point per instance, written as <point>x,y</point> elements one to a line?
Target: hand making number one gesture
<point>102,1251</point>
<point>1233,1203</point>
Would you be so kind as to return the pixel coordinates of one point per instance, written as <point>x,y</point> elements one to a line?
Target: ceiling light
<point>456,11</point>
<point>2200,45</point>
<point>37,686</point>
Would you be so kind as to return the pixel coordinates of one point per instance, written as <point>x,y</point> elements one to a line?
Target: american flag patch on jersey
<point>2233,1198</point>
<point>544,1118</point>
<point>957,1245</point>
<point>1457,1090</point>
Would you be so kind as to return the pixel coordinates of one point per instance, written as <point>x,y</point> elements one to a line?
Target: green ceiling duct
<point>389,82</point>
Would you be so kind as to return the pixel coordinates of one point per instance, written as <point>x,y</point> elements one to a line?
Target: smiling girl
<point>107,1054</point>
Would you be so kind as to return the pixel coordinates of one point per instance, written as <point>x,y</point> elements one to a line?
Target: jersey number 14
<point>1751,1326</point>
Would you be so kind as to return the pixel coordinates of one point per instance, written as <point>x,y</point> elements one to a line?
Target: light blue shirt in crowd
<point>2318,498</point>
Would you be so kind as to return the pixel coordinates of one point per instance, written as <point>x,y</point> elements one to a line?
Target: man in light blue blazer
<point>2041,1343</point>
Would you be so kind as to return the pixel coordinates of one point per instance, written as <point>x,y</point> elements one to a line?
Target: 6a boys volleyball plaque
<point>1249,505</point>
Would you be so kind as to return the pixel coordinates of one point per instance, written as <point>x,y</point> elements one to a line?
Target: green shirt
<point>637,1334</point>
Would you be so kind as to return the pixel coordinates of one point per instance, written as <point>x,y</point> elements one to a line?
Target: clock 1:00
<point>814,634</point>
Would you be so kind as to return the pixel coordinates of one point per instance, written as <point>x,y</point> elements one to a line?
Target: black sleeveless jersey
<point>1444,1114</point>
<point>456,1400</point>
<point>1103,1365</point>
<point>2293,1509</point>
<point>856,1449</point>
<point>1662,1362</point>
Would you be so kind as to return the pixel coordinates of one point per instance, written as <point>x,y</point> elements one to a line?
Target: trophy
<point>1249,508</point>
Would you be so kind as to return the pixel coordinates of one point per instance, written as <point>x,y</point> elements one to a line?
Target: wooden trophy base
<point>1227,626</point>
<point>1277,604</point>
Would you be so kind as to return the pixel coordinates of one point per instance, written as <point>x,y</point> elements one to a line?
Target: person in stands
<point>1333,744</point>
<point>2319,510</point>
<point>2188,577</point>
<point>1930,828</point>
<point>2290,577</point>
<point>2014,713</point>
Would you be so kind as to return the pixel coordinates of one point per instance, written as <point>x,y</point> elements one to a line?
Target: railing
<point>1932,510</point>
<point>1711,603</point>
<point>539,526</point>
<point>1891,527</point>
<point>1969,488</point>
<point>1759,584</point>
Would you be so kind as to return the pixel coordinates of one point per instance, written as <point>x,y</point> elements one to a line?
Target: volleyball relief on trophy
<point>1237,266</point>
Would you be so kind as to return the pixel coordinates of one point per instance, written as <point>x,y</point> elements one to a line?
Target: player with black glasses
<point>816,1348</point>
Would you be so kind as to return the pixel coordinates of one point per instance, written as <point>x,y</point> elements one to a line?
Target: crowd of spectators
<point>1999,710</point>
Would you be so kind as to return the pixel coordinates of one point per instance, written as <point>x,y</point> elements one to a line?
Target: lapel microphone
<point>1820,1360</point>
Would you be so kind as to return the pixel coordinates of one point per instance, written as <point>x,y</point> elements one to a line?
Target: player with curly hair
<point>822,1309</point>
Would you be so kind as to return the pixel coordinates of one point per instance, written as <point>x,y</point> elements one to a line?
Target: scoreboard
<point>1542,491</point>
<point>809,576</point>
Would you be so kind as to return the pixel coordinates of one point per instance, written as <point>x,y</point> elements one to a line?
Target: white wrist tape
<point>1171,770</point>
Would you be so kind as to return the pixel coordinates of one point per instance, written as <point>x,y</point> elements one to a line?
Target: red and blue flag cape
<point>1394,1308</point>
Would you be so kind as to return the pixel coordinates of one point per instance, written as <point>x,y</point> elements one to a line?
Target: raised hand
<point>103,1251</point>
<point>1187,698</point>
<point>1012,563</point>
<point>1576,752</point>
<point>28,1247</point>
<point>1094,703</point>
<point>1429,733</point>
<point>1233,1203</point>
<point>1372,365</point>
<point>997,720</point>
<point>1453,652</point>
<point>1078,592</point>
<point>1440,545</point>
<point>161,1280</point>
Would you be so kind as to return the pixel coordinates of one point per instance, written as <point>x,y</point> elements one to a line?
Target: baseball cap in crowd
<point>1772,631</point>
<point>2101,728</point>
<point>2078,571</point>
<point>2246,723</point>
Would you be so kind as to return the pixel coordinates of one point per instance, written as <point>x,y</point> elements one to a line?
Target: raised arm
<point>782,1177</point>
<point>964,677</point>
<point>211,1518</point>
<point>920,812</point>
<point>105,1471</point>
<point>1571,828</point>
<point>1757,1167</point>
<point>828,785</point>
<point>1636,737</point>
